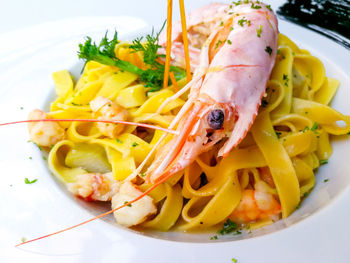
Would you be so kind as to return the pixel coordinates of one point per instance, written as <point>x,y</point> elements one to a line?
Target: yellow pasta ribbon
<point>280,165</point>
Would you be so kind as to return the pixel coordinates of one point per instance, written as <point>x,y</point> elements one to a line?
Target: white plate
<point>317,232</point>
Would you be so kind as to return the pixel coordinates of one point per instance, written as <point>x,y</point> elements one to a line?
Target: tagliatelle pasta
<point>287,142</point>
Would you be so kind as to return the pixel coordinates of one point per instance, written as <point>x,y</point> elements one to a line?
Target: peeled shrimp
<point>44,133</point>
<point>137,212</point>
<point>94,186</point>
<point>254,206</point>
<point>105,109</point>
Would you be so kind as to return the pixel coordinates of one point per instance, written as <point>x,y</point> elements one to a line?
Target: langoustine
<point>234,66</point>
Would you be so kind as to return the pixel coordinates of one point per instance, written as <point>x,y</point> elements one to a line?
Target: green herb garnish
<point>243,21</point>
<point>325,180</point>
<point>324,161</point>
<point>258,31</point>
<point>255,6</point>
<point>268,50</point>
<point>218,44</point>
<point>134,144</point>
<point>228,41</point>
<point>27,181</point>
<point>234,260</point>
<point>314,127</point>
<point>286,79</point>
<point>229,227</point>
<point>104,54</point>
<point>129,205</point>
<point>118,141</point>
<point>214,237</point>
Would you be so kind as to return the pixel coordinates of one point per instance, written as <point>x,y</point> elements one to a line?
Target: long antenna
<point>96,120</point>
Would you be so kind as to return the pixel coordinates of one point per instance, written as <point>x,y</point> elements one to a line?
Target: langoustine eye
<point>216,119</point>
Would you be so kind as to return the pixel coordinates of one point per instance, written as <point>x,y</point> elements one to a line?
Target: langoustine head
<point>234,66</point>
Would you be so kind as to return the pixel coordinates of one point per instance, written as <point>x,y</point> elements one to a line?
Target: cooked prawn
<point>94,186</point>
<point>226,91</point>
<point>135,213</point>
<point>44,133</point>
<point>105,109</point>
<point>254,206</point>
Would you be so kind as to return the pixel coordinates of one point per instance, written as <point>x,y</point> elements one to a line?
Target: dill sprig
<point>104,53</point>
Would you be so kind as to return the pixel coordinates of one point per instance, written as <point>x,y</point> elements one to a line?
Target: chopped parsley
<point>268,50</point>
<point>286,79</point>
<point>314,127</point>
<point>325,180</point>
<point>324,161</point>
<point>30,158</point>
<point>27,181</point>
<point>269,7</point>
<point>129,205</point>
<point>218,44</point>
<point>75,104</point>
<point>229,42</point>
<point>231,28</point>
<point>221,23</point>
<point>306,194</point>
<point>22,108</point>
<point>37,145</point>
<point>298,206</point>
<point>134,144</point>
<point>23,239</point>
<point>118,141</point>
<point>255,6</point>
<point>44,158</point>
<point>229,227</point>
<point>214,237</point>
<point>237,3</point>
<point>142,174</point>
<point>278,134</point>
<point>234,260</point>
<point>259,30</point>
<point>238,232</point>
<point>305,129</point>
<point>243,21</point>
<point>348,133</point>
